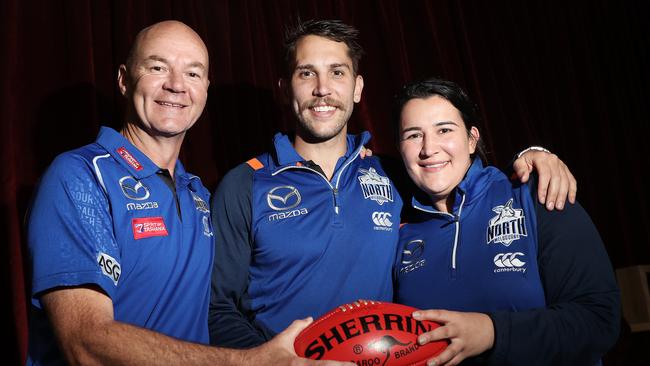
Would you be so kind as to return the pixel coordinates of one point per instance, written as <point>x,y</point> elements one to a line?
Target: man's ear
<point>285,90</point>
<point>358,88</point>
<point>123,79</point>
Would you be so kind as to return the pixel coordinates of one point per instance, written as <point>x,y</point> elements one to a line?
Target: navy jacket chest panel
<point>371,206</point>
<point>507,221</point>
<point>495,275</point>
<point>314,219</point>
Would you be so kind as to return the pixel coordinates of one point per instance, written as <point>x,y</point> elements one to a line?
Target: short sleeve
<point>70,231</point>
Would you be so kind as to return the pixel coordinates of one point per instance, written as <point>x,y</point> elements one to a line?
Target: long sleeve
<point>231,320</point>
<point>581,319</point>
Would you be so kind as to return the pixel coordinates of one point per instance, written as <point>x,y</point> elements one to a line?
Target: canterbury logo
<point>509,260</point>
<point>382,219</point>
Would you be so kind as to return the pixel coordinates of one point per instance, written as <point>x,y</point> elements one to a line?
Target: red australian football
<point>369,333</point>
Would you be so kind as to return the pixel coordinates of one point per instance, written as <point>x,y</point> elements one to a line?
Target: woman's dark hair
<point>426,88</point>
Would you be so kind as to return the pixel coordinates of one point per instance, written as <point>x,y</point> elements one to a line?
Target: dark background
<point>571,76</point>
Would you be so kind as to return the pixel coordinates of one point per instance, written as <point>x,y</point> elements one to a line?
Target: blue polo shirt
<point>106,215</point>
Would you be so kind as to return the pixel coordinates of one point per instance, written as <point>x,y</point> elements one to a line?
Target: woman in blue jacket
<point>511,282</point>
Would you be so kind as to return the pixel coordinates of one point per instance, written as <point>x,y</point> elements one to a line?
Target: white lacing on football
<point>357,304</point>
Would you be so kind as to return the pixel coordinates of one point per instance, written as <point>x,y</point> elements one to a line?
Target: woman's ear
<point>474,136</point>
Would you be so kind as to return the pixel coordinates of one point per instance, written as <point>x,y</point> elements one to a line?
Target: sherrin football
<point>369,333</point>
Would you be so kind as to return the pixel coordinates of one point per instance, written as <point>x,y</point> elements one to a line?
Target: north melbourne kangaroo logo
<point>507,226</point>
<point>375,187</point>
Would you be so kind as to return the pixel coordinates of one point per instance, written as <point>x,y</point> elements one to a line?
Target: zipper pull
<point>335,191</point>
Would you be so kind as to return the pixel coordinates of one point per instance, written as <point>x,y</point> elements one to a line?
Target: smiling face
<point>323,88</point>
<point>435,145</point>
<point>166,80</point>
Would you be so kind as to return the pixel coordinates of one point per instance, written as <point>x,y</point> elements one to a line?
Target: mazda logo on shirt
<point>413,250</point>
<point>133,189</point>
<point>283,198</point>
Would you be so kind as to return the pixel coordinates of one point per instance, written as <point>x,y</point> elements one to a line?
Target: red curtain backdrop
<point>571,76</point>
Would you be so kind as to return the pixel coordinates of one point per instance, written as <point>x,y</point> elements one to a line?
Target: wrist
<point>532,148</point>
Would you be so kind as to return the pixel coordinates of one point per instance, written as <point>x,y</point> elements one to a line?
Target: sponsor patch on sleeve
<point>110,267</point>
<point>146,227</point>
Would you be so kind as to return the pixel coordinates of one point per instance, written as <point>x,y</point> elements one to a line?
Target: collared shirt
<point>103,216</point>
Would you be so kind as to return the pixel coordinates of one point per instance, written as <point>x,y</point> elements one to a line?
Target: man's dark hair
<point>423,89</point>
<point>332,29</point>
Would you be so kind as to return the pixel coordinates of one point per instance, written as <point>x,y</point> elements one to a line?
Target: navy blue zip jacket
<point>543,277</point>
<point>290,243</point>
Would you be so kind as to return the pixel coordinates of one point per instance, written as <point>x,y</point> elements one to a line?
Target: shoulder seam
<point>255,164</point>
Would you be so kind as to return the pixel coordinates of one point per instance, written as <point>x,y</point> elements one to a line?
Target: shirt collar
<point>287,154</point>
<point>467,186</point>
<point>129,156</point>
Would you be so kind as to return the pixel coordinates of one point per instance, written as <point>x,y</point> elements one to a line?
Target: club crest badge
<point>200,204</point>
<point>375,187</point>
<point>507,226</point>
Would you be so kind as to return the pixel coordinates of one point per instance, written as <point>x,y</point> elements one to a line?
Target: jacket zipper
<point>334,188</point>
<point>456,219</point>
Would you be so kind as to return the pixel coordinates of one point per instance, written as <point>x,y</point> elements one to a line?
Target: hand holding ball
<point>369,333</point>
